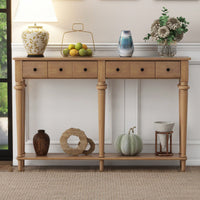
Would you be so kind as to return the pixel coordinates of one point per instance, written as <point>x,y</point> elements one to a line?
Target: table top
<point>102,58</point>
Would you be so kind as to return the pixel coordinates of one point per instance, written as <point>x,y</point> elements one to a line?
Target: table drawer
<point>34,69</point>
<point>143,69</point>
<point>168,70</point>
<point>117,69</point>
<point>84,69</point>
<point>60,69</point>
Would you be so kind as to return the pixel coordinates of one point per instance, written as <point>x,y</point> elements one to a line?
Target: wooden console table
<point>101,68</point>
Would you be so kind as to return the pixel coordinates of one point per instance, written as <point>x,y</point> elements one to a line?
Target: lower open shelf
<point>107,156</point>
<point>59,156</point>
<point>142,156</point>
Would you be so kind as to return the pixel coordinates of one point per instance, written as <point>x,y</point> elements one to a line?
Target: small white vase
<point>163,141</point>
<point>164,126</point>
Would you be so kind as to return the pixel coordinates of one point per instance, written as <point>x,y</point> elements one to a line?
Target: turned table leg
<point>20,122</point>
<point>183,102</point>
<point>23,121</point>
<point>183,95</point>
<point>101,86</point>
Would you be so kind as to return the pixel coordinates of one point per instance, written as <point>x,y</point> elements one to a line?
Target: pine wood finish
<point>168,70</point>
<point>143,156</point>
<point>101,87</point>
<point>115,69</point>
<point>101,68</point>
<point>95,156</point>
<point>85,69</point>
<point>20,110</point>
<point>183,101</point>
<point>142,70</point>
<point>34,69</point>
<point>60,69</point>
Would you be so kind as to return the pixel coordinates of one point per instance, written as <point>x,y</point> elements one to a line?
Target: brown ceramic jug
<point>41,143</point>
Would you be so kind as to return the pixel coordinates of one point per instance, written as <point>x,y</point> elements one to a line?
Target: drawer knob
<point>117,69</point>
<point>168,69</point>
<point>34,69</point>
<point>61,69</point>
<point>142,69</point>
<point>85,69</point>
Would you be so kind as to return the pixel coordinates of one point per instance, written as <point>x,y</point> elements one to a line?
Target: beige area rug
<point>89,184</point>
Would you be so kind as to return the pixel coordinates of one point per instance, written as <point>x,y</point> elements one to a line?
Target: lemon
<point>77,53</point>
<point>73,52</point>
<point>84,46</point>
<point>78,46</point>
<point>71,46</point>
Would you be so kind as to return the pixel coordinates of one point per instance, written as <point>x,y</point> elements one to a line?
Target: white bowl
<point>163,126</point>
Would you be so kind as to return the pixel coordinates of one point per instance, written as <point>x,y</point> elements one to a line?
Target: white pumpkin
<point>128,144</point>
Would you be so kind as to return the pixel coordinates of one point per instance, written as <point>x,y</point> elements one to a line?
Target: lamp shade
<point>35,11</point>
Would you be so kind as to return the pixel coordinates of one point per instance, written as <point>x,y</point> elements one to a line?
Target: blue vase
<point>125,46</point>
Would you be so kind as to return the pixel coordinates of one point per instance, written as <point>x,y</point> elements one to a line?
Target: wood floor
<point>6,166</point>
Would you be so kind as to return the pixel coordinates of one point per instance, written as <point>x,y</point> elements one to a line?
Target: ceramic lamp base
<point>35,40</point>
<point>31,56</point>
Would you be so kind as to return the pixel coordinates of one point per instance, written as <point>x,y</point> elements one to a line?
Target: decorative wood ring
<point>81,145</point>
<point>92,147</point>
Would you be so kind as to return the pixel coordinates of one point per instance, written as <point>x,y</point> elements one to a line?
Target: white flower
<point>179,37</point>
<point>154,35</point>
<point>163,32</point>
<point>154,29</point>
<point>173,23</point>
<point>155,26</point>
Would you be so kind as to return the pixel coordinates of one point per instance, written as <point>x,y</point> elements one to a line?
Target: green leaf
<point>147,37</point>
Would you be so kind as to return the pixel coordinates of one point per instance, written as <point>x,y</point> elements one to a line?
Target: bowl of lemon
<point>77,49</point>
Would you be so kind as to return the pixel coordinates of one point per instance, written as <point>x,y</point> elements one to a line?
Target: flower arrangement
<point>167,30</point>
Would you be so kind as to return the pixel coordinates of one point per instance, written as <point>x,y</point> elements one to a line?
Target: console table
<point>101,68</point>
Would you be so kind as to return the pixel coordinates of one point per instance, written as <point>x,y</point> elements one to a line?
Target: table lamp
<point>35,38</point>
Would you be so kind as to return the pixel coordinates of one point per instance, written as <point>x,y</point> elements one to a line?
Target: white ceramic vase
<point>35,40</point>
<point>164,126</point>
<point>125,45</point>
<point>163,141</point>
